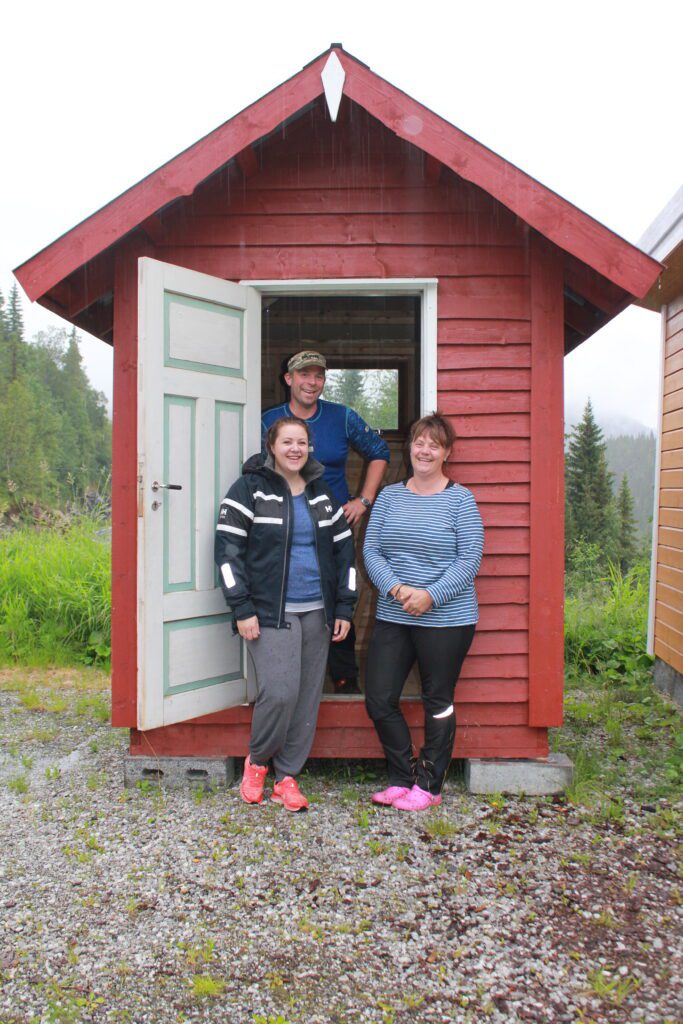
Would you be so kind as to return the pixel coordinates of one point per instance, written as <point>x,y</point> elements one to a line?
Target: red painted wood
<point>506,297</point>
<point>498,617</point>
<point>502,540</point>
<point>348,229</point>
<point>562,223</point>
<point>546,596</point>
<point>464,357</point>
<point>514,425</point>
<point>216,197</point>
<point>489,472</point>
<point>504,565</point>
<point>511,494</point>
<point>124,489</point>
<point>483,332</point>
<point>504,515</point>
<point>501,641</point>
<point>503,590</point>
<point>320,261</point>
<point>505,450</point>
<point>484,380</point>
<point>479,402</point>
<point>341,741</point>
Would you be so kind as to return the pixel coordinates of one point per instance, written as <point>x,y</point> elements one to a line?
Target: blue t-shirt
<point>334,429</point>
<point>303,581</point>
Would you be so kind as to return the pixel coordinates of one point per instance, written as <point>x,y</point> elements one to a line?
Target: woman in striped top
<point>422,551</point>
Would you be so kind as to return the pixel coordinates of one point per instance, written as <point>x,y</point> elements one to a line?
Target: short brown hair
<point>437,427</point>
<point>275,428</point>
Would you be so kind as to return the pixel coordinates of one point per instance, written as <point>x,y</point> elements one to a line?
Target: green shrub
<point>55,595</point>
<point>606,623</point>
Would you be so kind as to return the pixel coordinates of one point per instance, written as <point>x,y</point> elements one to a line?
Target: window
<point>373,393</point>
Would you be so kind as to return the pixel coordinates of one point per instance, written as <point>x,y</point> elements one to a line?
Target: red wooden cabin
<point>392,240</point>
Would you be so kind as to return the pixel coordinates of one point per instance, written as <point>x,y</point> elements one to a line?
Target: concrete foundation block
<point>180,772</point>
<point>668,681</point>
<point>529,776</point>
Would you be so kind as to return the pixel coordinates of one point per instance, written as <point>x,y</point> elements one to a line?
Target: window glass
<point>372,393</point>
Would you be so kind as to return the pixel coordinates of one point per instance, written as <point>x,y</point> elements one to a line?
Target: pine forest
<point>55,433</point>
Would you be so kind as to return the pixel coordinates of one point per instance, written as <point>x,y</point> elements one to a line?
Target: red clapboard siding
<point>503,616</point>
<point>465,357</point>
<point>347,229</point>
<point>489,472</point>
<point>453,403</point>
<point>484,296</point>
<point>275,201</point>
<point>484,380</point>
<point>483,332</point>
<point>318,261</point>
<point>493,426</point>
<point>505,565</point>
<point>502,641</point>
<point>506,541</point>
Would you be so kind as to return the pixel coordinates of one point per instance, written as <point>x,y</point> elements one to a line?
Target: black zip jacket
<point>253,541</point>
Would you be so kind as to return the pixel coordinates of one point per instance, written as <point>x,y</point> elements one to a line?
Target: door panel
<point>199,409</point>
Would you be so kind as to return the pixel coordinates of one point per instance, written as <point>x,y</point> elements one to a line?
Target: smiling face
<point>307,387</point>
<point>427,455</point>
<point>290,449</point>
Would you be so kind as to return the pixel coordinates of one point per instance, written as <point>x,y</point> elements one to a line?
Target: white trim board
<point>426,288</point>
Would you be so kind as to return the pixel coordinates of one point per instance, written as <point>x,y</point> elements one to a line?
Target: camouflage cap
<point>306,358</point>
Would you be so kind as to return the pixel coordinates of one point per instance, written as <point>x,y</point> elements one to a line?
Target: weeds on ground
<point>620,733</point>
<point>55,595</point>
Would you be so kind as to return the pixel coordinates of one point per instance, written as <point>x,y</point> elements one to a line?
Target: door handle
<point>156,486</point>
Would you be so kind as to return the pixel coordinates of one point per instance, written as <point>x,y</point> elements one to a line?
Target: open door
<point>198,419</point>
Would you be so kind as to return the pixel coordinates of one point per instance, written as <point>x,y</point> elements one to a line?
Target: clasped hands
<point>413,600</point>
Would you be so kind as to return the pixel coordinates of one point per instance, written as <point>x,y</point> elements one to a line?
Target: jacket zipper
<point>317,558</point>
<point>285,564</point>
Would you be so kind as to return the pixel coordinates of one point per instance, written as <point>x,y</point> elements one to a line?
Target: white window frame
<point>424,287</point>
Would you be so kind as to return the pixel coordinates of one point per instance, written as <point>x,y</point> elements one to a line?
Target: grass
<point>623,737</point>
<point>55,595</point>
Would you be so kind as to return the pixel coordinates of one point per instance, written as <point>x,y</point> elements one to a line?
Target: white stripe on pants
<point>289,666</point>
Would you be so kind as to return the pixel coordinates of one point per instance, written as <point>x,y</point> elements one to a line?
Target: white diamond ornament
<point>333,76</point>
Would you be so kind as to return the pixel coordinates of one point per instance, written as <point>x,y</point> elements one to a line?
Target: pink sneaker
<point>417,800</point>
<point>386,797</point>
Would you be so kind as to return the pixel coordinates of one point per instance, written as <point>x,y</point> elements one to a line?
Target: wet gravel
<point>150,906</point>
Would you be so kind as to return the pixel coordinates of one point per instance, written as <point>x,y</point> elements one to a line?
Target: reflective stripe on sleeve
<point>340,536</point>
<point>231,529</point>
<point>240,508</point>
<point>228,578</point>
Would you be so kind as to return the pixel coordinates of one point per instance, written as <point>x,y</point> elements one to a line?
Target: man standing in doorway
<point>335,428</point>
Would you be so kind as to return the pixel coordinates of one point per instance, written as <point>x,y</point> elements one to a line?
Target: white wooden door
<point>198,419</point>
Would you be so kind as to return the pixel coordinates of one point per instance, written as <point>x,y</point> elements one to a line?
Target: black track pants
<point>440,652</point>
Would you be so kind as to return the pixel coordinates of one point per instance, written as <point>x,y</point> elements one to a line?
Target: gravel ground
<point>145,905</point>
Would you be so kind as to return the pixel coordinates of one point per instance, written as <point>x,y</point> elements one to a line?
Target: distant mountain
<point>635,456</point>
<point>631,450</point>
<point>612,425</point>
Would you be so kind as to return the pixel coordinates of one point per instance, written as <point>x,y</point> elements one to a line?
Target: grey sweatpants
<point>289,665</point>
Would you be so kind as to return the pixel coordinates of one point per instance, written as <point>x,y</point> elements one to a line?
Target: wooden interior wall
<point>352,200</point>
<point>668,633</point>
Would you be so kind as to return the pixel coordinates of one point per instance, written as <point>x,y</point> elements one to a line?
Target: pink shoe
<point>417,800</point>
<point>387,796</point>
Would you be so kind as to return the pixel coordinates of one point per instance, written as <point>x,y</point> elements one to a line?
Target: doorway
<point>373,346</point>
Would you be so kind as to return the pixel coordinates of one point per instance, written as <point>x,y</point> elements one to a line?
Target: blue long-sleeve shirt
<point>433,542</point>
<point>335,428</point>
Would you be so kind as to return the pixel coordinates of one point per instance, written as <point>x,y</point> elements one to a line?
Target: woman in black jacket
<point>286,559</point>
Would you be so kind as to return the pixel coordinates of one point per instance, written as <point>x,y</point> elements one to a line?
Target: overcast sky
<point>584,97</point>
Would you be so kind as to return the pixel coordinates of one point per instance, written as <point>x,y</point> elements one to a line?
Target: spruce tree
<point>589,497</point>
<point>628,547</point>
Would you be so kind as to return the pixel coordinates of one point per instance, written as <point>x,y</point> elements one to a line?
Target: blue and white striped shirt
<point>433,542</point>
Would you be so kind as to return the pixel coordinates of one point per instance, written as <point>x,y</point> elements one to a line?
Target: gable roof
<point>90,243</point>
